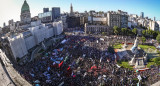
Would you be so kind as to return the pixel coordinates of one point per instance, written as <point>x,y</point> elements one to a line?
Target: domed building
<point>25,13</point>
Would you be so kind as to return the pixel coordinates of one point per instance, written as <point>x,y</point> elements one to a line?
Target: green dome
<point>25,7</point>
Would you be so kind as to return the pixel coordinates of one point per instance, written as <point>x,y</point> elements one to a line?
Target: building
<point>25,13</point>
<point>17,45</point>
<point>118,18</point>
<point>71,11</point>
<point>97,29</point>
<point>58,27</point>
<point>158,24</point>
<point>55,13</point>
<point>97,20</point>
<point>49,16</point>
<point>45,10</point>
<point>73,21</point>
<point>142,15</point>
<point>153,25</point>
<point>29,40</point>
<point>45,17</point>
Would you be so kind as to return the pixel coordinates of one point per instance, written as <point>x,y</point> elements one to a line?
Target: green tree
<point>155,34</point>
<point>157,61</point>
<point>116,30</point>
<point>124,31</point>
<point>104,33</point>
<point>144,32</point>
<point>143,39</point>
<point>158,38</point>
<point>134,31</point>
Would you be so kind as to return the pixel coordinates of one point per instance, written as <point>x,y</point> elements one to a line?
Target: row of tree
<point>128,32</point>
<point>124,31</point>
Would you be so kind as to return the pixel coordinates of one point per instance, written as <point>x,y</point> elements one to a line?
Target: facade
<point>45,17</point>
<point>55,13</point>
<point>97,20</point>
<point>29,39</point>
<point>45,10</point>
<point>97,29</point>
<point>158,24</point>
<point>119,19</point>
<point>58,27</point>
<point>25,13</point>
<point>17,44</point>
<point>73,21</point>
<point>153,25</point>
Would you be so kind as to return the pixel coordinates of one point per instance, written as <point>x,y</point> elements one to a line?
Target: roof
<point>25,7</point>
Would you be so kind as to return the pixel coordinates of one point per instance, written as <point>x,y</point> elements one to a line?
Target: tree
<point>143,39</point>
<point>116,30</point>
<point>158,38</point>
<point>124,31</point>
<point>157,61</point>
<point>155,34</point>
<point>144,32</point>
<point>134,31</point>
<point>104,33</point>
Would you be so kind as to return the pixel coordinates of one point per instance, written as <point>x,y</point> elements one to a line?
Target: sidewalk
<point>156,84</point>
<point>4,78</point>
<point>14,75</point>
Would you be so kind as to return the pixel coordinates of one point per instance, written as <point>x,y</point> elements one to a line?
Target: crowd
<point>83,61</point>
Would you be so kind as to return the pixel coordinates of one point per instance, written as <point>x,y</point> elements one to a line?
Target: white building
<point>158,24</point>
<point>153,25</point>
<point>18,46</point>
<point>29,39</point>
<point>58,27</point>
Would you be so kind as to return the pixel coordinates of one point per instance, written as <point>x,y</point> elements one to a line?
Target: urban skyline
<point>36,7</point>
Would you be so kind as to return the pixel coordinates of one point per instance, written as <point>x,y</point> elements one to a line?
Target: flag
<point>60,64</point>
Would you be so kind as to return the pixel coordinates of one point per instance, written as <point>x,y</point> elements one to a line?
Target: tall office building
<point>55,13</point>
<point>45,10</point>
<point>142,15</point>
<point>25,13</point>
<point>154,18</point>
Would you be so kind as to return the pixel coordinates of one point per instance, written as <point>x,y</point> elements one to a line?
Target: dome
<point>25,7</point>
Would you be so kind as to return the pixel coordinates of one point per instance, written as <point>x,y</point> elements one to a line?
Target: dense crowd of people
<point>84,61</point>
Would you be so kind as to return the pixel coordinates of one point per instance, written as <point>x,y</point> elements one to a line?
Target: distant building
<point>119,19</point>
<point>55,13</point>
<point>142,15</point>
<point>158,24</point>
<point>71,11</point>
<point>25,13</point>
<point>153,25</point>
<point>73,21</point>
<point>97,29</point>
<point>58,27</point>
<point>45,10</point>
<point>97,20</point>
<point>45,17</point>
<point>49,16</point>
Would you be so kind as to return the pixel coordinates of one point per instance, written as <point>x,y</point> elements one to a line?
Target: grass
<point>147,47</point>
<point>117,46</point>
<point>125,65</point>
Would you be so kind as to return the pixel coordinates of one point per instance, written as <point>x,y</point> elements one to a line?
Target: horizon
<point>11,9</point>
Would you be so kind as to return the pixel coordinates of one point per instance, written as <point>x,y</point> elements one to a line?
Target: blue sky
<point>10,9</point>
